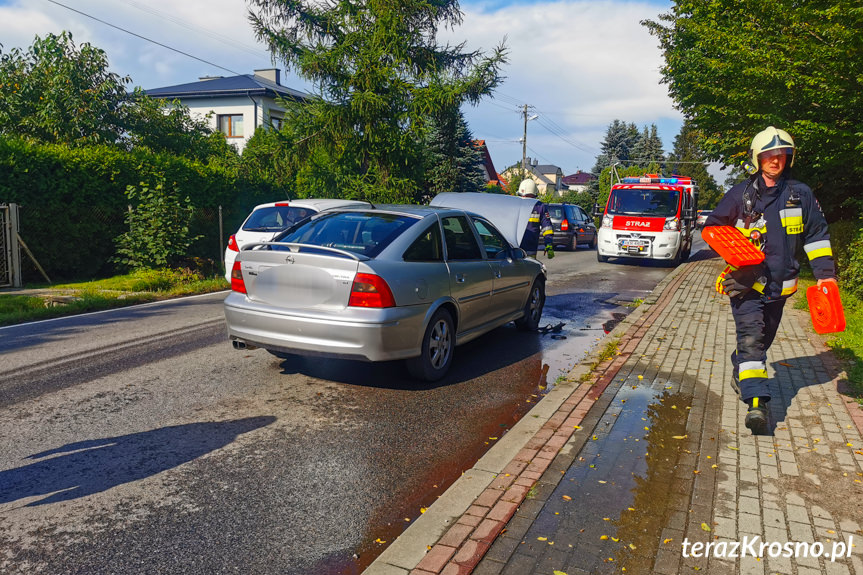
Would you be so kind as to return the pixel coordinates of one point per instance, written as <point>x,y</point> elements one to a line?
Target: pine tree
<point>689,159</point>
<point>620,138</point>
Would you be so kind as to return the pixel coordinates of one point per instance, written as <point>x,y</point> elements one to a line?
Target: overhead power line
<point>255,51</point>
<point>144,38</point>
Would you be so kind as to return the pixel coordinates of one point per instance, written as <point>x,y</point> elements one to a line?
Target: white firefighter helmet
<point>772,139</point>
<point>527,188</point>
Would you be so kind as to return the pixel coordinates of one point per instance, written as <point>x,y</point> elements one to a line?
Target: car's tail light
<point>237,283</point>
<point>370,290</point>
<point>564,225</point>
<point>232,243</point>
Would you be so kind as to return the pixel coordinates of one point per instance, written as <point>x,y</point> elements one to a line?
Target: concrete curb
<point>417,543</point>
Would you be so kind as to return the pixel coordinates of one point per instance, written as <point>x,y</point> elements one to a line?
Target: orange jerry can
<point>732,246</point>
<point>826,308</point>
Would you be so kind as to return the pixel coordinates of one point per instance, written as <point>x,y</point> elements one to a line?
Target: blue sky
<point>578,64</point>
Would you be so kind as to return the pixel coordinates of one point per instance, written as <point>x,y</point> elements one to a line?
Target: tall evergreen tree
<point>620,138</point>
<point>689,159</point>
<point>648,147</point>
<point>454,163</point>
<point>379,75</point>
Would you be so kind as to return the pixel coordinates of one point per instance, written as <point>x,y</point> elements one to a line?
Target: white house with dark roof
<point>238,104</point>
<point>548,177</point>
<point>578,182</point>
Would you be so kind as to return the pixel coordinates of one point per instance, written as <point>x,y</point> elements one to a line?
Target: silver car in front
<point>392,282</point>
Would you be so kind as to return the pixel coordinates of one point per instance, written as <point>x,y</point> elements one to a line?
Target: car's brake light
<point>237,283</point>
<point>232,244</point>
<point>370,290</point>
<point>282,204</point>
<point>564,225</point>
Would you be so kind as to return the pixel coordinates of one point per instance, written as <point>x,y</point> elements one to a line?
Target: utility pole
<point>524,144</point>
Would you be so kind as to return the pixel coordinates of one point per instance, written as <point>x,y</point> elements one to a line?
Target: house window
<point>276,122</point>
<point>231,125</point>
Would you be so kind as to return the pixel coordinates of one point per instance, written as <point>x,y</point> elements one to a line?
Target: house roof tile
<point>229,86</point>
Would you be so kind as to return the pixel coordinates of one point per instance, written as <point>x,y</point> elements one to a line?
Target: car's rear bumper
<point>373,335</point>
<point>563,238</point>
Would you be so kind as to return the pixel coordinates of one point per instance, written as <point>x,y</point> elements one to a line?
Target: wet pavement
<point>621,464</point>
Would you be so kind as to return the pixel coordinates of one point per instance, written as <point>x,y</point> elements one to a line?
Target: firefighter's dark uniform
<point>780,220</point>
<point>539,225</point>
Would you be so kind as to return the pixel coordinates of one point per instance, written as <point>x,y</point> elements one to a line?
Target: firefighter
<point>778,215</point>
<point>539,223</point>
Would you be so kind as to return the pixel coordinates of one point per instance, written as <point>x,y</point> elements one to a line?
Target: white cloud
<point>581,64</point>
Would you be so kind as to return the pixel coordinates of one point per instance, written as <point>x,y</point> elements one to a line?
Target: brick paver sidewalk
<point>651,451</point>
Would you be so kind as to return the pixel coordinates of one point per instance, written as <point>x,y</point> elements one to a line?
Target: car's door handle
<point>459,278</point>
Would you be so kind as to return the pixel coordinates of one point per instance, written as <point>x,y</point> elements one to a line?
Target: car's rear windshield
<point>366,233</point>
<point>636,201</point>
<point>556,212</point>
<point>275,218</point>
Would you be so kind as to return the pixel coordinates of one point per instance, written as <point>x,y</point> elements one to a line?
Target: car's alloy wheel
<point>532,307</point>
<point>437,349</point>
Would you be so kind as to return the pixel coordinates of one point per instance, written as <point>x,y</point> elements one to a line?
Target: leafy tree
<point>57,92</point>
<point>266,156</point>
<point>454,162</point>
<point>169,127</point>
<point>689,159</point>
<point>620,138</point>
<point>380,75</point>
<point>60,93</point>
<point>158,223</point>
<point>735,67</point>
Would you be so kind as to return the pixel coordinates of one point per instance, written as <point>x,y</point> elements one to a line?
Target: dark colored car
<point>572,226</point>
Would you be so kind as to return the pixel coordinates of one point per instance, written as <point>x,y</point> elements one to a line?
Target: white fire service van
<point>649,217</point>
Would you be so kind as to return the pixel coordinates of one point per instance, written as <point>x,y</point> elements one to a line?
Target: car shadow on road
<point>500,348</point>
<point>96,465</point>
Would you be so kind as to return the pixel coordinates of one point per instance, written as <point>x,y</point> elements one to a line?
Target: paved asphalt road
<point>138,441</point>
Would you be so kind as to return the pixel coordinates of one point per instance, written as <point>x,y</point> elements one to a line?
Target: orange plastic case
<point>826,308</point>
<point>732,246</point>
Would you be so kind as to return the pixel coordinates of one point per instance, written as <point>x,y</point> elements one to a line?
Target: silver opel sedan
<point>390,282</point>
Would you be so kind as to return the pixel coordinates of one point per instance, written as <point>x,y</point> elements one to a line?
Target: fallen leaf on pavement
<point>705,527</point>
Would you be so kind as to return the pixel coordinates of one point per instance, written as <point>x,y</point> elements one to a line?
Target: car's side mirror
<point>518,254</point>
<point>597,211</point>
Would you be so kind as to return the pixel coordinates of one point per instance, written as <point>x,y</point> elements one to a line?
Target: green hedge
<point>72,200</point>
<point>846,238</point>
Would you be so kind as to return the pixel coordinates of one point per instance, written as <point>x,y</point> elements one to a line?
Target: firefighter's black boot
<point>756,417</point>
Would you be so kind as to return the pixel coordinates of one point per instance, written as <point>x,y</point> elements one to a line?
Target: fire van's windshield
<point>645,202</point>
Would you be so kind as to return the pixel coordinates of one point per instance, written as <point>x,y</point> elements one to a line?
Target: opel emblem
<point>289,259</point>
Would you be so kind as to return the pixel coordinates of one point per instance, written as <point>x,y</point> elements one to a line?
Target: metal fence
<point>101,226</point>
<point>10,256</point>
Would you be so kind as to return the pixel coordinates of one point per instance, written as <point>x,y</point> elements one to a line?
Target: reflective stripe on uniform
<point>740,225</point>
<point>818,249</point>
<point>758,286</point>
<point>534,219</point>
<point>547,232</point>
<point>752,369</point>
<point>789,286</point>
<point>792,220</point>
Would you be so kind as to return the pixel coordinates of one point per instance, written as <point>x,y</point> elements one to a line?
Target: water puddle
<point>609,509</point>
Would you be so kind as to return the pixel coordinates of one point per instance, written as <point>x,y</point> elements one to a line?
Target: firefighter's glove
<point>740,281</point>
<point>549,251</point>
